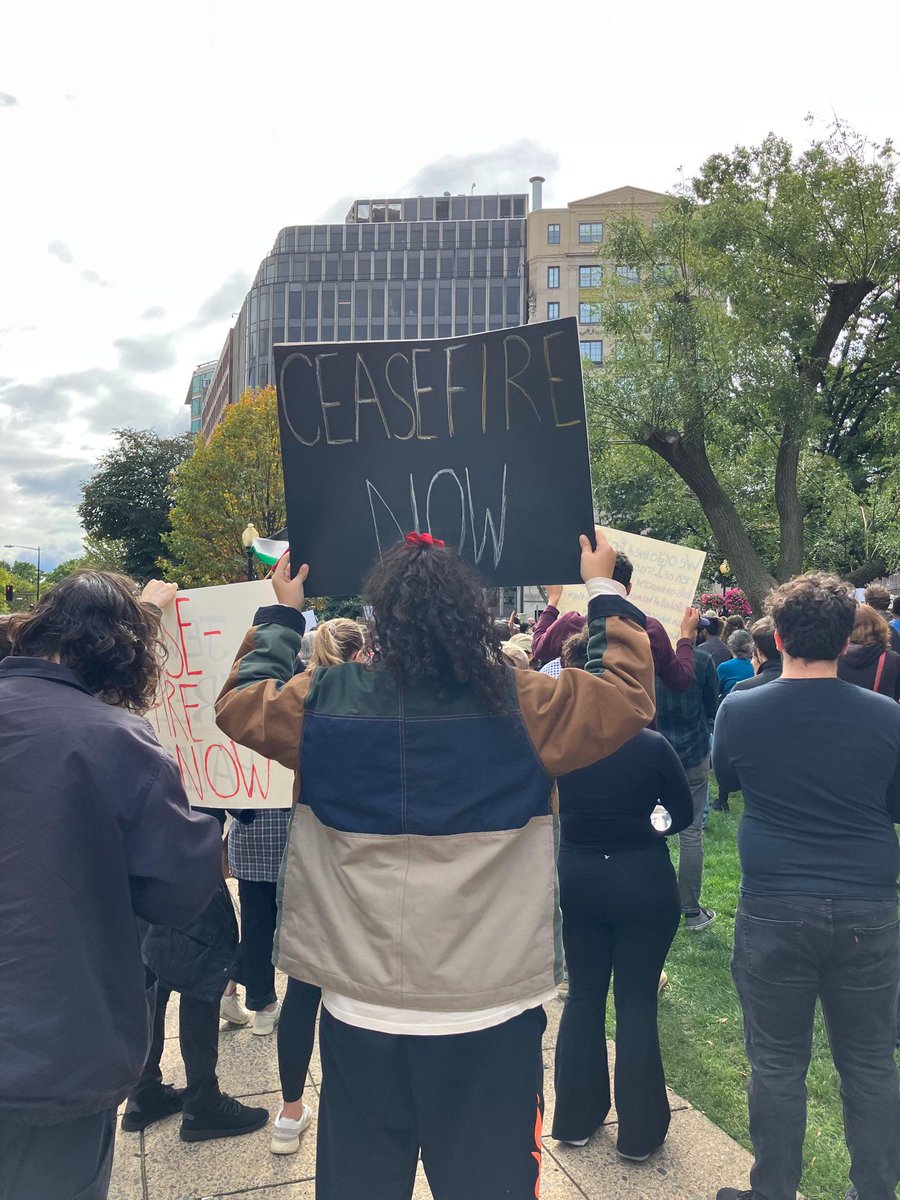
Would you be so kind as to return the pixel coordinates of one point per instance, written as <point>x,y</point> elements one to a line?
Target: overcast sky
<point>149,156</point>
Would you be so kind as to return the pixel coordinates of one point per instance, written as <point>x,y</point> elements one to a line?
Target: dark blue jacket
<point>95,830</point>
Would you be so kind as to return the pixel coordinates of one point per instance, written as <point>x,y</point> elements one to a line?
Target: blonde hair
<point>870,628</point>
<point>336,642</point>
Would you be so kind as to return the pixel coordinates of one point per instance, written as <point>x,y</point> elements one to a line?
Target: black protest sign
<point>480,440</point>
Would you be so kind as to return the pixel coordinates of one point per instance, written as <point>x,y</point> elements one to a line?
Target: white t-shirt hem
<point>417,1022</point>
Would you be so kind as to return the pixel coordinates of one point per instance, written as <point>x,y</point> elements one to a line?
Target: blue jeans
<point>789,951</point>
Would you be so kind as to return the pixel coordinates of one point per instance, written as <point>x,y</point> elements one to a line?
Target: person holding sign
<point>419,885</point>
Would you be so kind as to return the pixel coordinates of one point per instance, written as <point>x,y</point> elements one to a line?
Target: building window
<point>590,277</point>
<point>553,310</point>
<point>627,274</point>
<point>552,235</point>
<point>442,210</point>
<point>590,231</point>
<point>592,351</point>
<point>553,277</point>
<point>588,314</point>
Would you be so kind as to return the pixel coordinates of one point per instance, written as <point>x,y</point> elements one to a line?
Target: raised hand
<point>289,591</point>
<point>596,563</point>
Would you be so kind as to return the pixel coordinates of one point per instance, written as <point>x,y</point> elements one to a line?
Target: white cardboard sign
<point>665,578</point>
<point>202,631</point>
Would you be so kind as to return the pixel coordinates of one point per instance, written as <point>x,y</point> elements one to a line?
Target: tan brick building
<point>566,263</point>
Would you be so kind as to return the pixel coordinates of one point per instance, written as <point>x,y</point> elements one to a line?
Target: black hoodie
<point>860,666</point>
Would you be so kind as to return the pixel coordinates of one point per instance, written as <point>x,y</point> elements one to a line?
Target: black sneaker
<point>227,1118</point>
<point>733,1194</point>
<point>166,1102</point>
<point>701,919</point>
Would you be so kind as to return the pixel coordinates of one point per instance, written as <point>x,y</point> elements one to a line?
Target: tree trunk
<point>689,461</point>
<point>790,510</point>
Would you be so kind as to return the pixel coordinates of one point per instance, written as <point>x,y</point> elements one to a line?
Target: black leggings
<point>296,1035</point>
<point>620,914</point>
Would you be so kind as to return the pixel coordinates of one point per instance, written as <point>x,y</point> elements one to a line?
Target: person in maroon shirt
<point>674,667</point>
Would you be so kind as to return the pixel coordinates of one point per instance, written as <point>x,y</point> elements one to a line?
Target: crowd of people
<point>461,785</point>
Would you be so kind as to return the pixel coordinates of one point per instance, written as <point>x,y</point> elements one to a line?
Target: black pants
<point>69,1161</point>
<point>789,950</point>
<point>198,1037</point>
<point>472,1102</point>
<point>620,914</point>
<point>253,967</point>
<point>296,1036</point>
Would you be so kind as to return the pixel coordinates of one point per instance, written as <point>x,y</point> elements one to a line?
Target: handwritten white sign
<point>203,630</point>
<point>664,582</point>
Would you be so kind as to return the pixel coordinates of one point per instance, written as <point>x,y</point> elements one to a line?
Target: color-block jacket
<point>420,870</point>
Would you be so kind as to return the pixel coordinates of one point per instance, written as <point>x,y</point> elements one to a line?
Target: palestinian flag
<point>269,550</point>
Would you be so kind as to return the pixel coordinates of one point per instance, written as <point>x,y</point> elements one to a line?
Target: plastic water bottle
<point>660,819</point>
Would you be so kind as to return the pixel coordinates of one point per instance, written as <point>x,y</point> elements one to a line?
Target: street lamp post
<point>37,551</point>
<point>248,537</point>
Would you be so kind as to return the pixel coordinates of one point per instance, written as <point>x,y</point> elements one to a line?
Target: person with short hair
<point>868,661</point>
<point>817,917</point>
<point>674,667</point>
<point>97,833</point>
<point>419,883</point>
<point>766,656</point>
<point>739,666</point>
<point>738,669</point>
<point>620,908</point>
<point>712,643</point>
<point>734,623</point>
<point>878,597</point>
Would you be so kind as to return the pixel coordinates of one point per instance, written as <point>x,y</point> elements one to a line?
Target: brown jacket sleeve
<point>584,715</point>
<point>261,704</point>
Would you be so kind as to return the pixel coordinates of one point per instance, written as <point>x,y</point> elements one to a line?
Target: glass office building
<point>196,396</point>
<point>431,266</point>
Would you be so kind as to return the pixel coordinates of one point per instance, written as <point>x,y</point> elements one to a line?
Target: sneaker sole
<point>208,1135</point>
<point>701,926</point>
<point>263,1032</point>
<point>128,1126</point>
<point>285,1147</point>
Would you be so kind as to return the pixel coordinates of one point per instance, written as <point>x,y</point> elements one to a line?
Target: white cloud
<point>61,251</point>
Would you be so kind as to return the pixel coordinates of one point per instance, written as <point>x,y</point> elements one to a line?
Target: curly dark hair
<point>575,648</point>
<point>94,623</point>
<point>814,616</point>
<point>432,624</point>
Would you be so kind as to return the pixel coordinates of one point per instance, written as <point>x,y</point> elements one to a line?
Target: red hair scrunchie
<point>423,539</point>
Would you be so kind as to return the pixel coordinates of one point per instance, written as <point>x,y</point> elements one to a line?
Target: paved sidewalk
<point>156,1165</point>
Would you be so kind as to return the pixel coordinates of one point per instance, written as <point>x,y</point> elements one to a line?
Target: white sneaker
<point>264,1022</point>
<point>286,1132</point>
<point>232,1010</point>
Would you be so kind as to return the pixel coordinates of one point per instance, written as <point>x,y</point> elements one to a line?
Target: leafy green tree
<point>127,499</point>
<point>232,478</point>
<point>755,327</point>
<point>22,576</point>
<point>98,555</point>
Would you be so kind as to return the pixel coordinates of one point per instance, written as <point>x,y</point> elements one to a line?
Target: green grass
<point>702,1034</point>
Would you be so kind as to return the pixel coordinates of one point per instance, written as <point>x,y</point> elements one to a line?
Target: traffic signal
<point>10,593</point>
